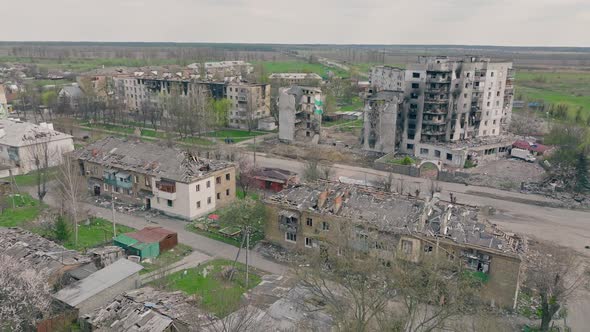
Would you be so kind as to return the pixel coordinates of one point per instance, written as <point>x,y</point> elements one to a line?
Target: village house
<point>337,216</point>
<point>24,144</point>
<point>273,179</point>
<point>174,182</point>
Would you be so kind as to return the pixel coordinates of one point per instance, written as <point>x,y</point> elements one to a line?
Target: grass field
<point>97,232</point>
<point>572,89</point>
<point>79,64</point>
<point>237,135</point>
<point>357,105</point>
<point>25,209</point>
<point>30,179</point>
<point>110,127</point>
<point>300,67</point>
<point>217,294</point>
<point>166,258</point>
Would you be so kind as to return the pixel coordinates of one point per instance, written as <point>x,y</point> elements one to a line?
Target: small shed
<point>101,287</point>
<point>273,179</point>
<point>134,247</point>
<point>147,242</point>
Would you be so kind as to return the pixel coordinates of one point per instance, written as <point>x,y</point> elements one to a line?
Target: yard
<point>196,141</point>
<point>25,209</point>
<point>97,232</point>
<point>569,88</point>
<point>357,105</point>
<point>237,135</point>
<point>30,179</point>
<point>225,224</point>
<point>166,258</point>
<point>210,283</point>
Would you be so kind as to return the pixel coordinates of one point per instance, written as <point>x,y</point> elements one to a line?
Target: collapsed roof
<point>389,212</point>
<point>41,253</point>
<point>149,158</point>
<point>147,309</point>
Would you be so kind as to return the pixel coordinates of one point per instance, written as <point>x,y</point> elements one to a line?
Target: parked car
<point>522,154</point>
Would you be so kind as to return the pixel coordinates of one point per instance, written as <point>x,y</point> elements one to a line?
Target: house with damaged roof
<point>175,182</point>
<point>337,216</point>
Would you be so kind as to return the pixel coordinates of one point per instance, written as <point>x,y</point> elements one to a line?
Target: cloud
<point>482,22</point>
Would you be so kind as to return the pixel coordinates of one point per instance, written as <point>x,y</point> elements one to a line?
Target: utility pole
<point>254,151</point>
<point>247,251</point>
<point>114,221</point>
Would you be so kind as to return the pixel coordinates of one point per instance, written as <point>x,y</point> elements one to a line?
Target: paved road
<point>198,242</point>
<point>516,212</point>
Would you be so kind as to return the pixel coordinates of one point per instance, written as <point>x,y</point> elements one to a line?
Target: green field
<point>109,127</point>
<point>25,209</point>
<point>572,89</point>
<point>30,179</point>
<point>300,67</point>
<point>80,65</point>
<point>97,232</point>
<point>357,105</point>
<point>216,293</point>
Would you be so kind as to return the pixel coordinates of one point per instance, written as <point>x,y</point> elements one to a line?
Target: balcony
<point>433,121</point>
<point>434,132</point>
<point>439,79</point>
<point>429,100</point>
<point>165,190</point>
<point>123,180</point>
<point>165,195</point>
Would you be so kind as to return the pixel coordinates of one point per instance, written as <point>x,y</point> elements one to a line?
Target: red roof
<point>150,234</point>
<point>534,147</point>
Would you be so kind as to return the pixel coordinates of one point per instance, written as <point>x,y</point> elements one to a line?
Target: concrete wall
<point>286,116</point>
<point>448,156</point>
<point>107,295</point>
<point>26,154</point>
<point>503,274</point>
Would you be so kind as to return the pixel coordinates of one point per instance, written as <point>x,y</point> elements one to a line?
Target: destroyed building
<point>149,310</point>
<point>381,113</point>
<point>444,100</point>
<point>339,216</point>
<point>172,181</point>
<point>249,102</point>
<point>300,114</point>
<point>283,79</point>
<point>22,143</point>
<point>42,254</point>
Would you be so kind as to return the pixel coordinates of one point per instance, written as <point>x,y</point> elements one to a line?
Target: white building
<point>296,78</point>
<point>223,68</point>
<point>21,143</point>
<point>3,103</point>
<point>172,181</point>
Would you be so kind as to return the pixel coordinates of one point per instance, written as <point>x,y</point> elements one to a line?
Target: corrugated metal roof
<point>97,282</point>
<point>150,234</point>
<point>126,240</point>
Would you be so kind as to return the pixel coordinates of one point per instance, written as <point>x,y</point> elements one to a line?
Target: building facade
<point>448,99</point>
<point>174,182</point>
<point>285,79</point>
<point>338,216</point>
<point>250,102</point>
<point>23,145</point>
<point>300,113</point>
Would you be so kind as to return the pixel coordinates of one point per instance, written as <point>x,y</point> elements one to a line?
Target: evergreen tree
<point>61,229</point>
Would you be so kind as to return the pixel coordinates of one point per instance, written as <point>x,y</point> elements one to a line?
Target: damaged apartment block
<point>338,216</point>
<point>445,100</point>
<point>170,180</point>
<point>300,114</point>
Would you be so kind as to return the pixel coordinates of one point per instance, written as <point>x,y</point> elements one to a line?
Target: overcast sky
<point>474,22</point>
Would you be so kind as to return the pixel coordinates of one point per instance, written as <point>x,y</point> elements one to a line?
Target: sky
<point>465,22</point>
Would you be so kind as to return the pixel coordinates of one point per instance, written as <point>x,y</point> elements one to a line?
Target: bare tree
<point>24,293</point>
<point>37,152</point>
<point>554,273</point>
<point>72,189</point>
<point>245,172</point>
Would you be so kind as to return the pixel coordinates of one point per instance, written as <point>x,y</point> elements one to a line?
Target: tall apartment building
<point>223,68</point>
<point>444,100</point>
<point>169,180</point>
<point>300,113</point>
<point>250,102</point>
